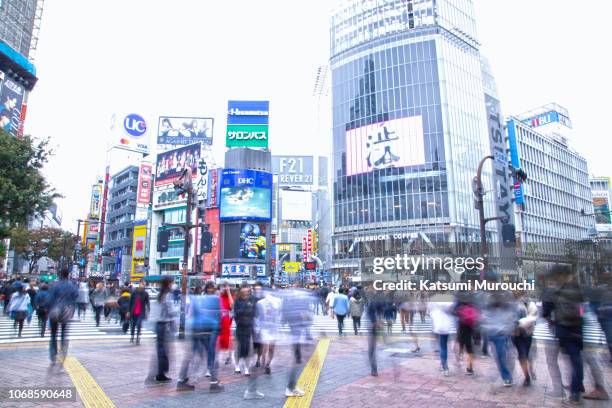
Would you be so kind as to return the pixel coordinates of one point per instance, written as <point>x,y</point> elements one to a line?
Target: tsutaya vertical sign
<point>138,252</point>
<point>501,175</point>
<point>247,124</point>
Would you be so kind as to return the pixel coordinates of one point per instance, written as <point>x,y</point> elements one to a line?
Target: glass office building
<point>409,128</point>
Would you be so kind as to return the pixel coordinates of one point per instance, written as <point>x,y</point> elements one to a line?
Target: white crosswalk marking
<point>84,329</point>
<point>324,324</point>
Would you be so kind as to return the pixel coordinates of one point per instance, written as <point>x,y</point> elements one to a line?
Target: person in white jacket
<point>443,324</point>
<point>330,302</point>
<point>18,307</point>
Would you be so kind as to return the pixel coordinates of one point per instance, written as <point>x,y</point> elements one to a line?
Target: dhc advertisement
<point>246,195</point>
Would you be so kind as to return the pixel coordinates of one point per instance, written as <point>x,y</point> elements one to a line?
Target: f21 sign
<point>293,170</point>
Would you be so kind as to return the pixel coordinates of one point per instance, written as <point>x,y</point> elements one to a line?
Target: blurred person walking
<point>296,314</point>
<point>341,309</point>
<point>63,295</point>
<point>329,302</point>
<point>323,292</point>
<point>468,317</point>
<point>32,292</point>
<point>42,308</point>
<point>244,314</point>
<point>18,307</point>
<point>164,328</point>
<point>390,313</point>
<point>563,310</point>
<point>83,299</point>
<point>443,323</point>
<point>266,329</point>
<point>123,308</point>
<point>98,300</point>
<point>139,308</point>
<point>499,321</point>
<point>356,311</point>
<point>225,335</point>
<point>375,311</point>
<point>527,313</point>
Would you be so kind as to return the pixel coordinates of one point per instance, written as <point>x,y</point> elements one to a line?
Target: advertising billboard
<point>601,206</point>
<point>515,161</point>
<point>181,130</point>
<point>96,199</point>
<point>170,164</point>
<point>502,178</point>
<point>296,205</point>
<point>11,99</point>
<point>246,195</point>
<point>293,170</point>
<point>247,124</point>
<point>211,260</point>
<point>547,118</point>
<point>253,241</point>
<point>394,143</point>
<point>145,181</point>
<point>292,267</point>
<point>213,188</point>
<point>230,270</point>
<point>130,132</point>
<point>138,252</point>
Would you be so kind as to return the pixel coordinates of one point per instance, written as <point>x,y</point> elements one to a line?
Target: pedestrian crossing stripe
<point>84,329</point>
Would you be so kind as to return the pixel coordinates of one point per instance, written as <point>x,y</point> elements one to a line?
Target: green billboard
<point>247,136</point>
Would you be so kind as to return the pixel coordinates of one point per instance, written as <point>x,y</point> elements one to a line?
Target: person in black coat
<point>138,310</point>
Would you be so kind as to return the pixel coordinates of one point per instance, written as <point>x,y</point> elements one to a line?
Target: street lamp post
<point>479,193</point>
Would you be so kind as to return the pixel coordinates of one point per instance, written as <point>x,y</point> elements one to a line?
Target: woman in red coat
<point>225,335</point>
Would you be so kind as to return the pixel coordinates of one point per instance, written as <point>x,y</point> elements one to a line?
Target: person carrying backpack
<point>468,316</point>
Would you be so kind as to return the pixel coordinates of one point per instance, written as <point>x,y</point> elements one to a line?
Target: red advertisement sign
<point>145,180</point>
<point>210,262</point>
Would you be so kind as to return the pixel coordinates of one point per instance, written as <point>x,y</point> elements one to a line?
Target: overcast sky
<point>189,57</point>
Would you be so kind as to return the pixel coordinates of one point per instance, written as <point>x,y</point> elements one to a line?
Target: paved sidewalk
<point>406,379</point>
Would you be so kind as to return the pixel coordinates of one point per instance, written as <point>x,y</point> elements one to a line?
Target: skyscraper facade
<point>409,127</point>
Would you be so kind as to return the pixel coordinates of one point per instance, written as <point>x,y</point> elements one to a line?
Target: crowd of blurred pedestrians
<point>241,325</point>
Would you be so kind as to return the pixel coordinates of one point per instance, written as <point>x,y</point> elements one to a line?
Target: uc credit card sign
<point>247,124</point>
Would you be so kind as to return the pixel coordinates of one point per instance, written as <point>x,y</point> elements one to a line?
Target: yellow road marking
<point>90,392</point>
<point>309,377</point>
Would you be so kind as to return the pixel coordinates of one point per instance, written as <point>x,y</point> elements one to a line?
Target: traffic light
<point>163,237</point>
<point>520,175</point>
<point>206,241</point>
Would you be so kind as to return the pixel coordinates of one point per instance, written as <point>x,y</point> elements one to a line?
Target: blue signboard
<point>247,112</point>
<point>515,160</point>
<point>246,195</point>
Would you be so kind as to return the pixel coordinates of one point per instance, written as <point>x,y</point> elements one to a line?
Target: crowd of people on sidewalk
<point>127,305</point>
<point>241,325</point>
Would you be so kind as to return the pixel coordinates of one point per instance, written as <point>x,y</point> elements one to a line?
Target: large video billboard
<point>246,195</point>
<point>394,143</point>
<point>11,99</point>
<point>179,130</point>
<point>247,124</point>
<point>253,241</point>
<point>170,164</point>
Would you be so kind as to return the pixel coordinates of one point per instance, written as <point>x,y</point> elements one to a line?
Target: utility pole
<point>184,186</point>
